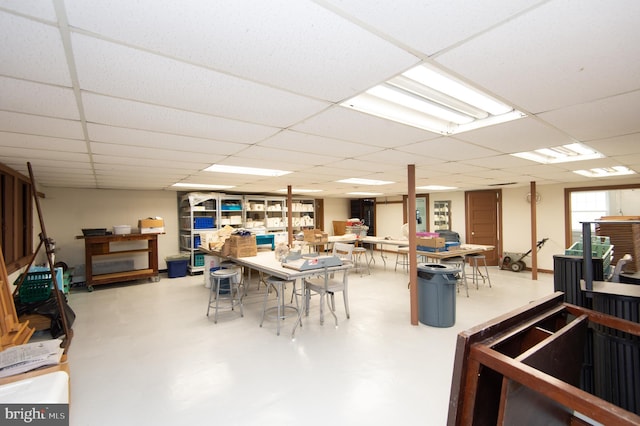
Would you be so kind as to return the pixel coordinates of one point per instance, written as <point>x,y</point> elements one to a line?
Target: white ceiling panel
<point>17,140</point>
<point>134,152</point>
<point>143,94</point>
<point>348,124</point>
<point>270,156</point>
<point>137,115</point>
<point>36,125</point>
<point>614,116</point>
<point>559,54</point>
<point>448,149</point>
<point>35,98</point>
<point>526,134</point>
<point>154,79</point>
<point>428,25</point>
<point>32,51</point>
<point>42,9</point>
<point>306,143</point>
<point>123,136</point>
<point>257,43</point>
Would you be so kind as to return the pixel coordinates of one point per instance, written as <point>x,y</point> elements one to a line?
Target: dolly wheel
<point>505,262</point>
<point>516,267</point>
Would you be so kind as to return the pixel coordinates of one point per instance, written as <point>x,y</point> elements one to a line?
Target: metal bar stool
<point>358,254</point>
<point>475,269</point>
<point>278,285</point>
<point>458,262</point>
<point>230,290</point>
<point>402,257</point>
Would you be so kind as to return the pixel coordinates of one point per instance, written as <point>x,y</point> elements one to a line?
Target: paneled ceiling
<point>143,94</point>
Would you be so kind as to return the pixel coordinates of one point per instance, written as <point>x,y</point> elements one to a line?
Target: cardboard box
<point>151,226</point>
<point>239,246</point>
<point>437,242</point>
<point>151,223</point>
<point>315,236</point>
<point>240,241</point>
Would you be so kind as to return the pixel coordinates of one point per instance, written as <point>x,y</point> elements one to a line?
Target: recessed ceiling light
<point>427,98</point>
<point>219,168</point>
<point>357,181</point>
<point>201,186</point>
<point>364,193</point>
<point>560,154</point>
<point>300,190</point>
<point>437,187</point>
<point>605,172</point>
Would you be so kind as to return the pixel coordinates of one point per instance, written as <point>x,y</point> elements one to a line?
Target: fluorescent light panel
<point>219,168</point>
<point>560,154</point>
<point>606,172</point>
<point>201,186</point>
<point>357,181</point>
<point>426,98</point>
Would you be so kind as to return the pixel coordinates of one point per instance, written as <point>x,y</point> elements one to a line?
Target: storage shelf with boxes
<point>151,225</point>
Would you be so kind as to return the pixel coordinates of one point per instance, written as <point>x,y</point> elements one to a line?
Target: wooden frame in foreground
<point>524,368</point>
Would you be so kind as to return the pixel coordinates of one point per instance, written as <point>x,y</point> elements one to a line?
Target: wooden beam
<point>534,232</point>
<point>413,259</point>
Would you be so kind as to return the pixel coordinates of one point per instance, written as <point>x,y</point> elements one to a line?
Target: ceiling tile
<point>32,51</point>
<point>159,80</point>
<point>253,40</point>
<point>137,115</point>
<point>427,25</point>
<point>614,116</point>
<point>348,124</point>
<point>555,55</point>
<point>36,125</point>
<point>35,98</point>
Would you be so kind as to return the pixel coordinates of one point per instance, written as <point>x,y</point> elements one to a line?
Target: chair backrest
<point>343,250</point>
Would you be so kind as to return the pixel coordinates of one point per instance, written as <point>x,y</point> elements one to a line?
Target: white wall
<point>67,211</point>
<point>335,209</point>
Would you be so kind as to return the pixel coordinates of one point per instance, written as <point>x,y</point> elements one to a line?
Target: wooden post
<point>413,259</point>
<point>534,233</point>
<point>289,216</point>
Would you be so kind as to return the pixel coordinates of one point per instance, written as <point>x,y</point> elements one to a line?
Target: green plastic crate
<point>36,287</point>
<point>198,259</point>
<point>597,250</point>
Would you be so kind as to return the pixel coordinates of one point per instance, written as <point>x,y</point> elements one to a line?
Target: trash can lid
<point>437,268</point>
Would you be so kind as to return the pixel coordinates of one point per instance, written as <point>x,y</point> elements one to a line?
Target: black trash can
<point>437,294</point>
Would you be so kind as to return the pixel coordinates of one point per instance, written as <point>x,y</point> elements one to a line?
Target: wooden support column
<point>290,216</point>
<point>534,233</point>
<point>413,259</point>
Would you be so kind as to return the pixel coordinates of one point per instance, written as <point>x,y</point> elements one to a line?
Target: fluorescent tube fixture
<point>560,154</point>
<point>605,172</point>
<point>437,188</point>
<point>357,181</point>
<point>201,186</point>
<point>219,168</point>
<point>426,98</point>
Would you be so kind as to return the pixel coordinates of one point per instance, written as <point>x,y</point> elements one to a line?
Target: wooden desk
<point>95,246</point>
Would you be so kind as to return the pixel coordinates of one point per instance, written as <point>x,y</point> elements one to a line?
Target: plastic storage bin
<point>204,222</point>
<point>437,294</point>
<point>177,266</point>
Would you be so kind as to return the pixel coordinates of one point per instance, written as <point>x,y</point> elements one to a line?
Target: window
<point>16,232</point>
